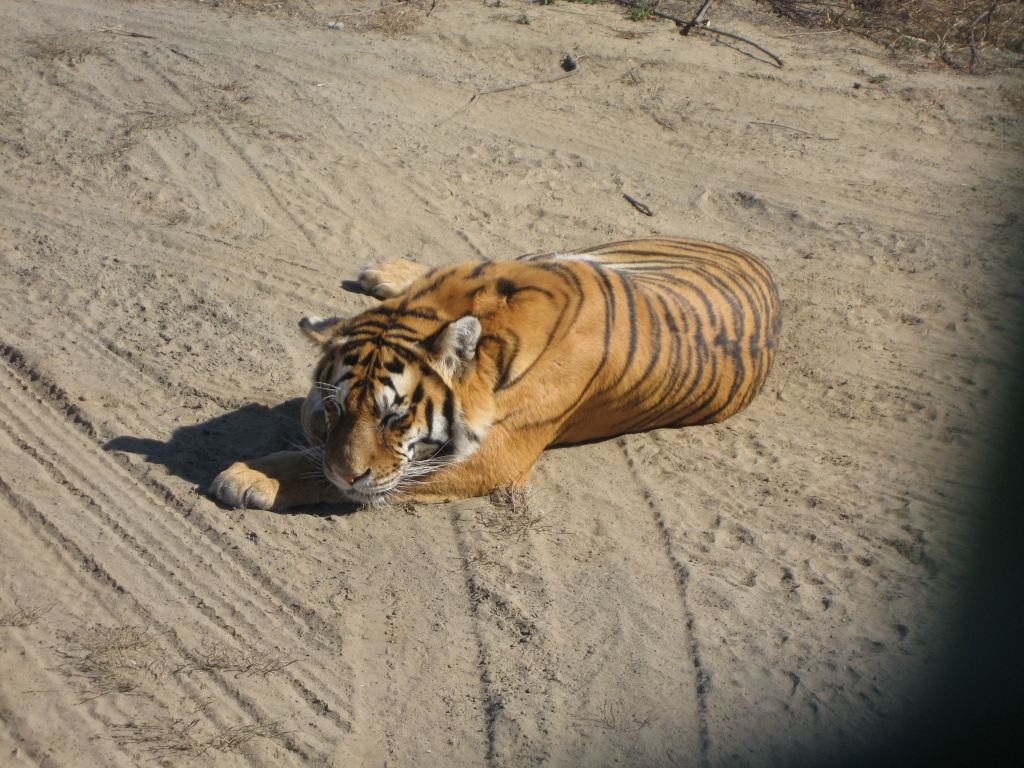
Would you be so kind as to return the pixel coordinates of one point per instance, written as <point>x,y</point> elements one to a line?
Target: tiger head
<point>387,405</point>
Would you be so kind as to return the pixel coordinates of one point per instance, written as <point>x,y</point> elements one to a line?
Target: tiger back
<point>688,336</point>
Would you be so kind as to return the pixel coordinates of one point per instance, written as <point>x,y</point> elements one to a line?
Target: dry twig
<point>183,55</point>
<point>685,26</point>
<point>698,18</point>
<point>125,32</point>
<point>569,64</point>
<point>24,617</point>
<point>791,128</point>
<point>638,205</point>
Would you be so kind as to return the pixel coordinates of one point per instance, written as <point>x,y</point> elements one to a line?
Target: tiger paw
<point>241,487</point>
<point>390,279</point>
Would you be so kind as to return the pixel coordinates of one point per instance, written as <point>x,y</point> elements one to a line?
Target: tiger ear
<point>320,329</point>
<point>455,346</point>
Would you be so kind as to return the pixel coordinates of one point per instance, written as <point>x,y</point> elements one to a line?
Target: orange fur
<point>502,359</point>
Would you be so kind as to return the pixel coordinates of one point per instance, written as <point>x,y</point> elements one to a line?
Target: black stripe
<point>569,277</point>
<point>480,268</point>
<point>429,417</point>
<point>506,357</point>
<point>409,355</point>
<point>449,411</point>
<point>655,355</point>
<point>609,315</point>
<point>678,369</point>
<point>439,277</point>
<point>424,313</point>
<point>364,327</point>
<point>628,289</point>
<point>663,280</point>
<point>675,372</point>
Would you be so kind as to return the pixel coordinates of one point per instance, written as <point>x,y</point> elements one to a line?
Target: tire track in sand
<point>326,639</point>
<point>513,634</point>
<point>305,628</point>
<point>59,538</point>
<point>242,155</point>
<point>682,576</point>
<point>138,552</point>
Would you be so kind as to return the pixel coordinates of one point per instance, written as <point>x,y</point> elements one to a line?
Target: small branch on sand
<point>184,55</point>
<point>366,11</point>
<point>569,64</point>
<point>781,125</point>
<point>696,20</point>
<point>747,40</point>
<point>638,205</point>
<point>791,128</point>
<point>686,26</point>
<point>987,15</point>
<point>125,32</point>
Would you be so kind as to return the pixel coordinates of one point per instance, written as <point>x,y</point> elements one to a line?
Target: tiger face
<point>384,410</point>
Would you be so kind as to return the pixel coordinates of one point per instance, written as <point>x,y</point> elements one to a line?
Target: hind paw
<point>391,278</point>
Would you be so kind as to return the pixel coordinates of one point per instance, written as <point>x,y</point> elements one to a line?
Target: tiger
<point>455,383</point>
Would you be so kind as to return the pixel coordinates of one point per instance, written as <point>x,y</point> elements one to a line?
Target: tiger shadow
<point>198,453</point>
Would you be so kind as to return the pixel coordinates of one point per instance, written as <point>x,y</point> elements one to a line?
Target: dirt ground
<point>771,590</point>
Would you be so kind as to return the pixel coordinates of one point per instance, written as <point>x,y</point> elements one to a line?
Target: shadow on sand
<point>199,452</point>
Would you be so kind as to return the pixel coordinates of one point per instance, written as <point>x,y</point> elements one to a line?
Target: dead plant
<point>953,31</point>
<point>392,19</point>
<point>246,661</point>
<point>24,616</point>
<point>67,48</point>
<point>167,736</point>
<point>513,514</point>
<point>113,659</point>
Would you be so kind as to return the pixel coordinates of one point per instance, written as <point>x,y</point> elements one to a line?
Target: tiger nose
<point>353,479</point>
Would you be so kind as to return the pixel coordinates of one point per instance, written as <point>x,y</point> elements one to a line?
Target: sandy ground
<point>769,590</point>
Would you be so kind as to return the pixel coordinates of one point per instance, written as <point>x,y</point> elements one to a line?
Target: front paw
<point>242,487</point>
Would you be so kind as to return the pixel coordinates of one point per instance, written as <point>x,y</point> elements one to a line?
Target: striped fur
<point>455,384</point>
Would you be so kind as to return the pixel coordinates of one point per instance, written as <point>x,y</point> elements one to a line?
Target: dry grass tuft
<point>299,8</point>
<point>185,736</point>
<point>24,616</point>
<point>215,656</point>
<point>113,659</point>
<point>392,19</point>
<point>612,717</point>
<point>126,659</point>
<point>956,32</point>
<point>70,49</point>
<point>514,515</point>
